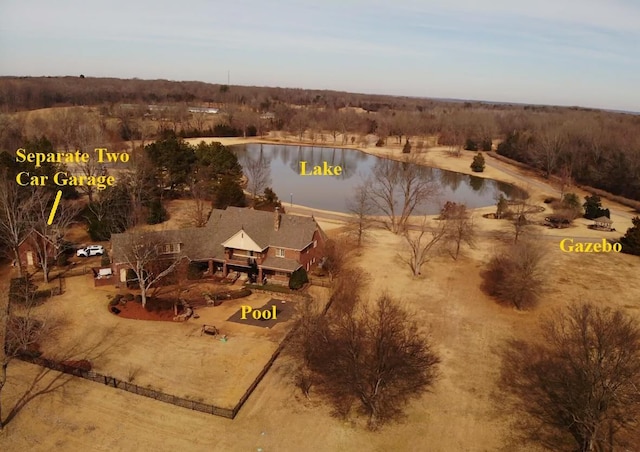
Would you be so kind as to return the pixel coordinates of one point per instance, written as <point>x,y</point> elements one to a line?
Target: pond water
<point>283,164</point>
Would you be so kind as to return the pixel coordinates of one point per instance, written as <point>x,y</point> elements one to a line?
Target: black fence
<point>130,387</point>
<point>230,413</point>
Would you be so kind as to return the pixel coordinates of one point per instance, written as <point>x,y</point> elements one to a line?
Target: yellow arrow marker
<point>55,207</point>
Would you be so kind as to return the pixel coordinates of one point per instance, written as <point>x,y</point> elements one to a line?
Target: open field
<point>465,410</point>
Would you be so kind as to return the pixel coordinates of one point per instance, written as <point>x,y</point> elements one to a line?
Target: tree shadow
<point>35,390</point>
<point>76,353</point>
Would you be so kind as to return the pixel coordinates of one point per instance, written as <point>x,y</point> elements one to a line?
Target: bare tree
<point>519,211</point>
<point>47,237</point>
<point>346,289</point>
<point>258,171</point>
<point>16,204</point>
<point>398,188</point>
<point>376,359</point>
<point>517,275</point>
<point>20,329</point>
<point>421,246</point>
<point>147,257</point>
<point>141,185</point>
<point>202,207</point>
<point>550,145</point>
<point>459,226</point>
<point>87,136</point>
<point>361,208</point>
<point>335,256</point>
<point>5,356</point>
<point>299,123</point>
<point>580,381</point>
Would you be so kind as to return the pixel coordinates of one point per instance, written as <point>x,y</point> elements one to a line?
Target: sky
<point>558,52</point>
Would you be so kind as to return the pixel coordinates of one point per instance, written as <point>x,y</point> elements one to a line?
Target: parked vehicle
<point>91,250</point>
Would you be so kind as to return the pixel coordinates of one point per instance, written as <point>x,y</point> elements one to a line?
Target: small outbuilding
<point>602,223</point>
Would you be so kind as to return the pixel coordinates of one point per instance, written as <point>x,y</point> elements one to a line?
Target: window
<point>279,252</point>
<point>170,248</point>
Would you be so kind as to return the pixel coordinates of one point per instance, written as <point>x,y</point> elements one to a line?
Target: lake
<point>332,192</point>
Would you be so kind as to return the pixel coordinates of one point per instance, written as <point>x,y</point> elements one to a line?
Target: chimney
<point>276,219</point>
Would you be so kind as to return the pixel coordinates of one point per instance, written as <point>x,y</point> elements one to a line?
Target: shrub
<point>593,208</point>
<point>195,270</point>
<point>298,279</point>
<point>44,293</point>
<point>470,145</point>
<point>138,299</point>
<point>486,145</point>
<point>104,260</point>
<point>18,292</point>
<point>128,297</point>
<point>407,148</point>
<point>115,300</point>
<point>252,131</point>
<point>62,260</point>
<point>269,287</point>
<point>516,275</point>
<point>631,240</point>
<point>478,163</point>
<point>379,143</point>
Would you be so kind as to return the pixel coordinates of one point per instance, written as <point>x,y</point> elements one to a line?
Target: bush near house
<point>269,287</point>
<point>196,270</point>
<point>298,279</point>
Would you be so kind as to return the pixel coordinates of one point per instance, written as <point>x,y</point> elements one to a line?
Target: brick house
<point>267,245</point>
<point>29,251</point>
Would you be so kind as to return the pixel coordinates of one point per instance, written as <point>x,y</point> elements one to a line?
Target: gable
<point>242,241</point>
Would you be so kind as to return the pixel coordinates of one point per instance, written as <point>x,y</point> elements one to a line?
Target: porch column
<point>224,270</point>
<point>210,267</point>
<point>259,275</point>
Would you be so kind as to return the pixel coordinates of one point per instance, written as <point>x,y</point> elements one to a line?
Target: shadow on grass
<point>48,381</point>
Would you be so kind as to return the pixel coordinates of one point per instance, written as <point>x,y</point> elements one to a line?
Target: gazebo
<point>603,223</point>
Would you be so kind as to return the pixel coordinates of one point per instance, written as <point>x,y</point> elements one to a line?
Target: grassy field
<point>465,411</point>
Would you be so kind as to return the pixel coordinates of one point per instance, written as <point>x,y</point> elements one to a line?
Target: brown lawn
<point>465,410</point>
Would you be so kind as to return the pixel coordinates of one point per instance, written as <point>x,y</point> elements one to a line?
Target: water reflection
<point>332,192</point>
<point>477,183</point>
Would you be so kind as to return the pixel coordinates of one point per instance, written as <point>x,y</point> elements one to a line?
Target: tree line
<point>591,147</point>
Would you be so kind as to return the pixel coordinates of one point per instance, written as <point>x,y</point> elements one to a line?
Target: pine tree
<point>478,163</point>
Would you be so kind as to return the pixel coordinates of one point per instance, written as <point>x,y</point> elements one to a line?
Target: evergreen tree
<point>229,193</point>
<point>470,145</point>
<point>478,163</point>
<point>407,148</point>
<point>593,208</point>
<point>631,240</point>
<point>503,207</point>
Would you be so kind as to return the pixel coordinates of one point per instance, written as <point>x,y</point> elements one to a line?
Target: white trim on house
<point>241,241</point>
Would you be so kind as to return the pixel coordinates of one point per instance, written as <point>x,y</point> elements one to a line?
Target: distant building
<point>207,110</point>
